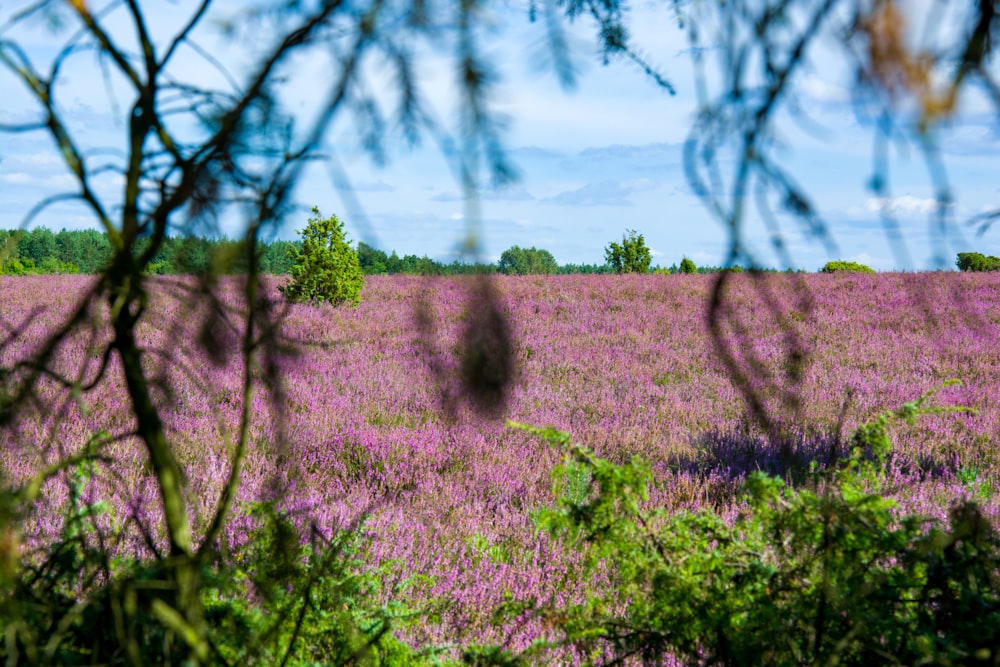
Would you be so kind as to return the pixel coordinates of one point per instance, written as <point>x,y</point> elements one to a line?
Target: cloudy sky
<point>593,161</point>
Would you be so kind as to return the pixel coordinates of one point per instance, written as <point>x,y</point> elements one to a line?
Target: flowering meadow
<point>370,428</point>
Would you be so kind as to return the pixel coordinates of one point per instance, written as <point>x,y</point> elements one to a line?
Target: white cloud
<point>603,193</point>
<point>17,178</point>
<point>36,160</point>
<point>902,205</point>
<point>880,263</point>
<point>704,258</point>
<point>56,181</point>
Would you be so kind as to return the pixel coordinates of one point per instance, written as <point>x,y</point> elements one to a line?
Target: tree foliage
<point>325,268</point>
<point>976,261</point>
<point>631,255</point>
<point>518,261</point>
<point>827,573</point>
<point>845,267</point>
<point>687,266</point>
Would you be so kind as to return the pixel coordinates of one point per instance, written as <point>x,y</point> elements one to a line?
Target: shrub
<point>16,267</point>
<point>325,268</point>
<point>828,573</point>
<point>53,265</point>
<point>976,261</point>
<point>290,596</point>
<point>631,255</point>
<point>849,267</point>
<point>688,266</point>
<point>516,261</point>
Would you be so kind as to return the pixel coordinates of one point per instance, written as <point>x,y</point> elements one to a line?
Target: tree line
<point>42,251</point>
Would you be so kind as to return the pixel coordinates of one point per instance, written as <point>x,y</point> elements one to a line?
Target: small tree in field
<point>631,255</point>
<point>326,267</point>
<point>845,267</point>
<point>517,261</point>
<point>688,266</point>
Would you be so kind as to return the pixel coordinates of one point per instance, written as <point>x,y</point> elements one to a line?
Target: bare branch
<point>182,36</point>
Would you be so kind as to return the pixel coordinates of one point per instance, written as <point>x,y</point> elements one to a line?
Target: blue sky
<point>594,161</point>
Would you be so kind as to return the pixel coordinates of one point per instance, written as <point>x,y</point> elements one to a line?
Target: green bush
<point>631,255</point>
<point>976,261</point>
<point>517,261</point>
<point>16,267</point>
<point>53,265</point>
<point>307,602</point>
<point>688,266</point>
<point>828,573</point>
<point>289,596</point>
<point>325,268</point>
<point>849,267</point>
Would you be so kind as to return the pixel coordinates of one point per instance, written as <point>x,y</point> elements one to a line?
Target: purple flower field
<point>625,364</point>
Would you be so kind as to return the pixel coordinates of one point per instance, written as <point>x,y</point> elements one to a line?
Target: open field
<point>625,364</point>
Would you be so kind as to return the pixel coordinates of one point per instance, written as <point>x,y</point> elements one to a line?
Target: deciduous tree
<point>631,255</point>
<point>526,261</point>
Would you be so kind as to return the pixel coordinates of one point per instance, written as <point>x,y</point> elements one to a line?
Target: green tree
<point>52,264</point>
<point>326,267</point>
<point>393,263</point>
<point>87,249</point>
<point>15,267</point>
<point>977,261</point>
<point>276,258</point>
<point>373,261</point>
<point>193,255</point>
<point>687,266</point>
<point>631,255</point>
<point>517,261</point>
<point>586,269</point>
<point>37,245</point>
<point>847,267</point>
<point>425,266</point>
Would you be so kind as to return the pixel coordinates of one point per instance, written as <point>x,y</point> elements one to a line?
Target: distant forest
<point>41,250</point>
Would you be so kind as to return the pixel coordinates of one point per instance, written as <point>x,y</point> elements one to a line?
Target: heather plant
<point>190,376</point>
<point>216,354</point>
<point>211,405</point>
<point>367,434</point>
<point>325,268</point>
